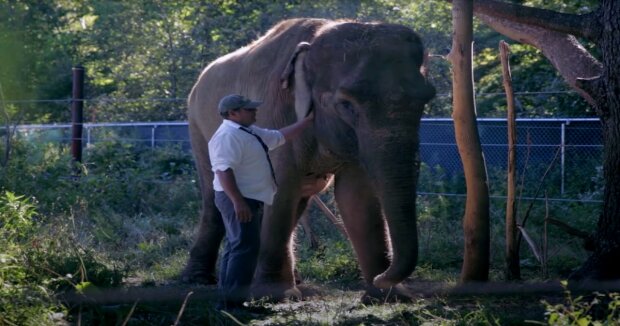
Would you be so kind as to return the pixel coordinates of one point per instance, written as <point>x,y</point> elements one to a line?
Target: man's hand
<point>292,131</point>
<point>242,210</point>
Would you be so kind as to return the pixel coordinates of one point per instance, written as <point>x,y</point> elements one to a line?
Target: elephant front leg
<point>276,263</point>
<point>362,216</point>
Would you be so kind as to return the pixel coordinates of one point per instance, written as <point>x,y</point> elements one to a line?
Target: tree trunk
<point>597,82</point>
<point>476,219</point>
<point>603,263</point>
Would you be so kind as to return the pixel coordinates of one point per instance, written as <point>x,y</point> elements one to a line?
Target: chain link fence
<point>566,152</point>
<point>570,149</point>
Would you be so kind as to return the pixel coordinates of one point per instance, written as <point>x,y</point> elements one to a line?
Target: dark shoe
<point>229,305</point>
<point>257,309</point>
<point>198,277</point>
<point>243,309</point>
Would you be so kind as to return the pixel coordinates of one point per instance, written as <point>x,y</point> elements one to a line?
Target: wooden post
<point>513,269</point>
<point>77,117</point>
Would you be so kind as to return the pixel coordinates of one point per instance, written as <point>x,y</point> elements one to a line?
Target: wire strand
<point>183,99</point>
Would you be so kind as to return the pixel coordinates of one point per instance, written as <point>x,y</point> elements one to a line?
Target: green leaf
<point>86,287</point>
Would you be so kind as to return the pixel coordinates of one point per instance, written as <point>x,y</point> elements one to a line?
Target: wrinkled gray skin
<point>363,82</point>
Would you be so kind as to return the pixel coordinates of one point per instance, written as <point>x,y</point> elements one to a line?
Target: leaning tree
<point>557,35</point>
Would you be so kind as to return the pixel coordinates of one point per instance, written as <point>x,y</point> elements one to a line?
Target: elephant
<point>366,86</point>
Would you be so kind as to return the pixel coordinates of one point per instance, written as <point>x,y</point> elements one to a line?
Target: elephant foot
<point>293,294</point>
<point>193,274</point>
<point>395,294</point>
<point>298,279</point>
<point>276,293</point>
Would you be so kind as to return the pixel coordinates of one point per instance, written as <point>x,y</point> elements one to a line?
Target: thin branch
<point>530,242</point>
<point>542,182</point>
<point>329,215</point>
<point>176,322</point>
<point>540,185</point>
<point>585,25</point>
<point>569,229</point>
<point>545,241</point>
<point>7,130</point>
<point>133,309</point>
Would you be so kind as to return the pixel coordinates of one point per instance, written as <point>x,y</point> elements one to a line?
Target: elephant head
<point>365,85</point>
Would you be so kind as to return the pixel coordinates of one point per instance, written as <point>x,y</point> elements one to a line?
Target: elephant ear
<point>303,98</point>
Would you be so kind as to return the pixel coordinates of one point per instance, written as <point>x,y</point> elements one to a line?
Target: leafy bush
<point>120,177</point>
<point>331,262</point>
<point>600,309</point>
<point>16,214</point>
<point>23,301</point>
<point>131,211</point>
<point>97,220</point>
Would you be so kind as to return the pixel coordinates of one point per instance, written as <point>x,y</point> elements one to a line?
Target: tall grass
<point>126,216</point>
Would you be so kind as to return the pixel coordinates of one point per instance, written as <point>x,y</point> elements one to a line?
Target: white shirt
<point>231,147</point>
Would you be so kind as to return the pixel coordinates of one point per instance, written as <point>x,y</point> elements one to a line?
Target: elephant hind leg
<point>200,267</point>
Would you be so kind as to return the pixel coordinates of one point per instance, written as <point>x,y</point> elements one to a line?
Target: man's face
<point>244,116</point>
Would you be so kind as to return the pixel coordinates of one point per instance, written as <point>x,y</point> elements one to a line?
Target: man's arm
<point>229,183</point>
<point>294,130</point>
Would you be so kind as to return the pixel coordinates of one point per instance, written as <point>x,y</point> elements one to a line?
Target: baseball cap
<point>236,101</point>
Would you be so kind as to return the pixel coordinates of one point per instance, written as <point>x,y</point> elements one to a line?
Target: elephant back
<point>253,71</point>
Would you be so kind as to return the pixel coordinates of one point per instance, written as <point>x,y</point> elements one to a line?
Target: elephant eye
<point>345,107</point>
<point>347,111</point>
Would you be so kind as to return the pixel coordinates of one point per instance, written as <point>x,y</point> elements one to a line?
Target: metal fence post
<point>562,153</point>
<point>87,136</point>
<point>153,136</point>
<point>77,119</point>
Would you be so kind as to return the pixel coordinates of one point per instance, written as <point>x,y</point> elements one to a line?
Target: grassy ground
<point>329,305</point>
<point>121,231</point>
<point>338,303</point>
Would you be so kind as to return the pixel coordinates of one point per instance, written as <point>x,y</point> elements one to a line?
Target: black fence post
<point>77,117</point>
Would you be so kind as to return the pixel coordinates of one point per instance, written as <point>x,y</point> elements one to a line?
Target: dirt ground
<point>433,303</point>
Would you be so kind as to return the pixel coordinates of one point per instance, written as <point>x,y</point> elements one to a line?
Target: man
<point>244,181</point>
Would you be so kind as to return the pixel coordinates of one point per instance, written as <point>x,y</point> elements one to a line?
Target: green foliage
<point>129,210</point>
<point>599,309</point>
<point>91,225</point>
<point>23,301</point>
<point>331,262</point>
<point>477,315</point>
<point>530,72</point>
<point>117,177</point>
<point>132,179</point>
<point>145,50</point>
<point>16,214</point>
<point>37,50</point>
<point>566,6</point>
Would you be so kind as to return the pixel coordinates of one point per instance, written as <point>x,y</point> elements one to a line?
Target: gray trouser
<point>238,261</point>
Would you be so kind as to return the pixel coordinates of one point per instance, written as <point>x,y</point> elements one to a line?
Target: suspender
<point>265,148</point>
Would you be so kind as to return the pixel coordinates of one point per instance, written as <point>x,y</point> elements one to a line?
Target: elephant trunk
<point>396,180</point>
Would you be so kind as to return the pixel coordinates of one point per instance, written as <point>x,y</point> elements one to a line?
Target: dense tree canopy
<point>145,50</point>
